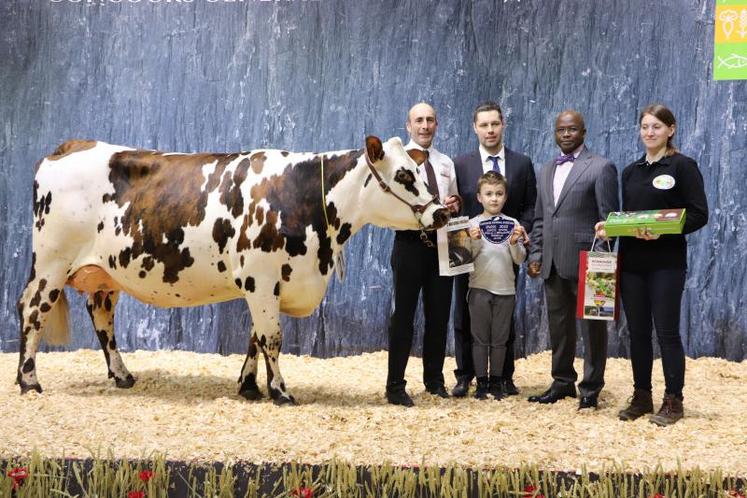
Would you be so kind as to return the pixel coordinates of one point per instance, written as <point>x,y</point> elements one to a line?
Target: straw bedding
<point>185,405</point>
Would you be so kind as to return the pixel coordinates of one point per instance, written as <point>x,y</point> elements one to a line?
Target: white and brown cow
<point>189,229</point>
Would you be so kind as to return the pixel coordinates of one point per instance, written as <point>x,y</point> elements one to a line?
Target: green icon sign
<point>730,40</point>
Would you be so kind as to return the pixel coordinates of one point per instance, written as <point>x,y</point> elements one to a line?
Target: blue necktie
<point>496,167</point>
<point>566,158</point>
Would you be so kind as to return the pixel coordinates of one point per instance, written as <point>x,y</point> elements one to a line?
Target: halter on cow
<point>189,229</point>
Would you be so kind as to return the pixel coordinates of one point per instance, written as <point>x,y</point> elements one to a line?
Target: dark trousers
<point>463,336</point>
<point>655,295</point>
<point>561,295</point>
<point>415,268</point>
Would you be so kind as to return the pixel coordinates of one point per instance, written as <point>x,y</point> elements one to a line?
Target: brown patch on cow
<point>45,307</point>
<point>41,206</point>
<point>286,271</point>
<point>238,283</point>
<point>112,262</point>
<point>54,294</point>
<point>269,239</point>
<point>100,226</point>
<point>259,215</point>
<point>69,147</point>
<point>297,195</point>
<point>230,188</point>
<point>244,242</point>
<point>276,290</point>
<point>407,179</point>
<point>249,284</point>
<point>142,274</point>
<point>221,266</point>
<point>258,161</point>
<point>344,234</point>
<point>222,231</point>
<point>92,279</point>
<point>417,155</point>
<point>148,263</point>
<point>151,184</point>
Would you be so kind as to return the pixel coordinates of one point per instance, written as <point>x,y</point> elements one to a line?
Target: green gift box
<point>658,221</point>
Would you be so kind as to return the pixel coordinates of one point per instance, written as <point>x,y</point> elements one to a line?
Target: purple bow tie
<point>565,158</point>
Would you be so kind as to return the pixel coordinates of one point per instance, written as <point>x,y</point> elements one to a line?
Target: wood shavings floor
<point>185,405</point>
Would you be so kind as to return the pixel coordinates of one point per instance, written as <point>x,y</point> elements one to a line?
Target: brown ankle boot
<point>670,412</point>
<point>640,404</point>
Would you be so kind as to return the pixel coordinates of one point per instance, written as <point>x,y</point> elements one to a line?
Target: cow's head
<point>401,199</point>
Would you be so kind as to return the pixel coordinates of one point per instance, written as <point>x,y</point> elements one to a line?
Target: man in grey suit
<point>488,124</point>
<point>575,191</point>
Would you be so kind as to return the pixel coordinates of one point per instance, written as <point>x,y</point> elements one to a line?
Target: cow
<point>176,229</point>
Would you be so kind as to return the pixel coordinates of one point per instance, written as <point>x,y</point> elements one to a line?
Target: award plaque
<point>496,230</point>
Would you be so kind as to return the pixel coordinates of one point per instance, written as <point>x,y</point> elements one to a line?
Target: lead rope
<point>324,196</point>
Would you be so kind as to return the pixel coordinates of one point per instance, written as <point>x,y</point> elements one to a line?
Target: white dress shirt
<point>487,163</point>
<point>561,175</point>
<point>443,167</point>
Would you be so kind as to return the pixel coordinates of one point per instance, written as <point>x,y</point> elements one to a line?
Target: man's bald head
<point>422,124</point>
<point>570,130</point>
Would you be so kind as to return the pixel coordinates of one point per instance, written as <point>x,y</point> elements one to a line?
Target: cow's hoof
<point>286,400</point>
<point>252,393</point>
<point>30,387</point>
<point>125,383</point>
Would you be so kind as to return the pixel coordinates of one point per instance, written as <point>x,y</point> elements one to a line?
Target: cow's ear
<point>417,155</point>
<point>374,148</point>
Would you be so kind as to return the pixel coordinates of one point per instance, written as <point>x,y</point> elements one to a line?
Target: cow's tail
<point>57,330</point>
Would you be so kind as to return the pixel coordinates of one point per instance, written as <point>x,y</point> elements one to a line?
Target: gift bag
<point>598,285</point>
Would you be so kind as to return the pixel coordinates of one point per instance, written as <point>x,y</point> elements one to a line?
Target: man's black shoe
<point>548,397</point>
<point>509,388</point>
<point>461,388</point>
<point>399,397</point>
<point>439,390</point>
<point>587,402</point>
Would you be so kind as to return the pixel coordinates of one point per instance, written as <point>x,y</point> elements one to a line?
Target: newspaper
<point>455,248</point>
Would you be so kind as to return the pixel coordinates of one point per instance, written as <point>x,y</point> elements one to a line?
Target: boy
<point>492,290</point>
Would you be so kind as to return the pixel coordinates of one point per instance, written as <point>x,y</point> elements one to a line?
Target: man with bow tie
<point>575,191</point>
<point>492,155</point>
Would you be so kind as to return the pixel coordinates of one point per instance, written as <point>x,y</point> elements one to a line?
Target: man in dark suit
<point>575,191</point>
<point>488,124</point>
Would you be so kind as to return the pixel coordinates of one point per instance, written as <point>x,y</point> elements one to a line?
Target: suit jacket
<point>522,185</point>
<point>560,232</point>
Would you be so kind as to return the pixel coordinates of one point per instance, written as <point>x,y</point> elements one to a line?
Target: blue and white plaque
<point>496,230</point>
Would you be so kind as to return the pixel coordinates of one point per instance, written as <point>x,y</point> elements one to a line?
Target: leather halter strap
<point>417,209</point>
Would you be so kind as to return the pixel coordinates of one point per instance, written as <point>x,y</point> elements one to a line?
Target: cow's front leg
<point>100,307</point>
<point>265,310</point>
<point>248,387</point>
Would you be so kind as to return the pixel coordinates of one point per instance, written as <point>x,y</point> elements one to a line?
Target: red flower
<point>145,475</point>
<point>18,474</point>
<point>136,494</point>
<point>735,494</point>
<point>659,495</point>
<point>303,492</point>
<point>529,492</point>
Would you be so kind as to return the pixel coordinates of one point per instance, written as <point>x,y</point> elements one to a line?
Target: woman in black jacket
<point>653,267</point>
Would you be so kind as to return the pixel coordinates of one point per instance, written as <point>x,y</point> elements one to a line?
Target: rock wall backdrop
<point>219,75</point>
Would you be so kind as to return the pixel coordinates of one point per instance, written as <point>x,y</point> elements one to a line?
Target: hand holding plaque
<point>497,230</point>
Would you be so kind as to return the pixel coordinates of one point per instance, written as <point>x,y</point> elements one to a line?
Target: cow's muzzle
<point>441,218</point>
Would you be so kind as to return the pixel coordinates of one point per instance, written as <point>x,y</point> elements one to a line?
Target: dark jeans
<point>415,268</point>
<point>655,296</point>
